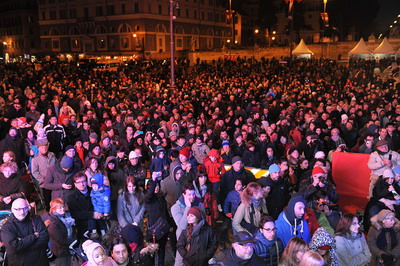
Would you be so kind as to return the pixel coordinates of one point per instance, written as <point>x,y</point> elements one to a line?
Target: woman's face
<point>60,209</point>
<point>300,253</point>
<point>295,154</point>
<point>94,164</point>
<point>270,151</point>
<point>7,172</point>
<point>202,180</point>
<point>191,219</point>
<point>258,194</point>
<point>30,134</point>
<point>6,157</point>
<point>130,187</point>
<point>355,226</point>
<point>389,180</point>
<point>389,221</point>
<point>304,164</point>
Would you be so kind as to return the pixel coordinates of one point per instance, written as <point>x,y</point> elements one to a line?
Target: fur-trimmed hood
<point>322,238</point>
<point>376,220</point>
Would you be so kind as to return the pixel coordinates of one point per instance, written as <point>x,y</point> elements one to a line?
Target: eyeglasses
<point>81,182</point>
<point>269,230</point>
<point>21,209</point>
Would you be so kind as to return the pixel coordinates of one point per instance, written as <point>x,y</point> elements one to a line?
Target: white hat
<point>344,117</point>
<point>388,173</point>
<point>319,155</point>
<point>133,155</point>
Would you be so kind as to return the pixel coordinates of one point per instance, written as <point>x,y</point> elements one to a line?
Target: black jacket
<point>16,145</point>
<point>23,247</point>
<point>13,186</point>
<point>203,244</point>
<point>58,235</point>
<point>81,209</point>
<point>233,260</point>
<point>228,180</point>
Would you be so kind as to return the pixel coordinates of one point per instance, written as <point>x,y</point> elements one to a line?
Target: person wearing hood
<point>171,186</point>
<point>12,142</point>
<point>179,212</point>
<point>381,159</point>
<point>11,185</point>
<point>100,196</point>
<point>96,254</point>
<point>95,152</point>
<point>25,236</point>
<point>384,238</point>
<point>197,243</point>
<point>199,149</point>
<point>60,178</point>
<point>291,221</point>
<point>116,178</point>
<point>323,243</point>
<point>159,163</point>
<point>250,210</point>
<point>352,248</point>
<point>213,165</point>
<point>268,248</point>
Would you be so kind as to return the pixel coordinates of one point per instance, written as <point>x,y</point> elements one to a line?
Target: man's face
<point>12,133</point>
<point>263,137</point>
<point>53,120</point>
<point>120,254</point>
<point>299,209</point>
<point>43,149</point>
<point>383,148</point>
<point>269,231</point>
<point>81,183</point>
<point>237,166</point>
<point>20,209</point>
<point>190,194</point>
<point>182,158</point>
<point>244,251</point>
<point>70,153</point>
<point>383,133</point>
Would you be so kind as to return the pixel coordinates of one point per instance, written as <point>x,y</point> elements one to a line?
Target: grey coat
<point>129,213</point>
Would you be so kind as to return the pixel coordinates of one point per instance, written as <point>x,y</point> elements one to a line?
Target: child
<point>96,254</point>
<point>101,202</point>
<point>233,200</point>
<point>159,164</point>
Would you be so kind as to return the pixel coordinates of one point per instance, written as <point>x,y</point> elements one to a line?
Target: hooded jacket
<point>115,176</point>
<point>201,246</point>
<point>322,238</point>
<point>288,226</point>
<point>179,213</point>
<point>55,177</point>
<point>374,232</point>
<point>172,188</point>
<point>215,169</point>
<point>101,198</point>
<point>266,252</point>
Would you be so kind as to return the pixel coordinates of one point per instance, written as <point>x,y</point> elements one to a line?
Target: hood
<point>289,212</point>
<point>322,238</point>
<point>111,159</point>
<point>176,168</point>
<point>99,178</point>
<point>214,153</point>
<point>376,221</point>
<point>35,149</point>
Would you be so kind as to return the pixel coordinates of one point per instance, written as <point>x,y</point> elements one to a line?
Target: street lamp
<point>173,4</point>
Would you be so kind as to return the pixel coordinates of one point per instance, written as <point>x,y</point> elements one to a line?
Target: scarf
<point>381,240</point>
<point>255,202</point>
<point>67,220</point>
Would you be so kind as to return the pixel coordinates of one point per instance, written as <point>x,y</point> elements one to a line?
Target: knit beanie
<point>88,247</point>
<point>318,170</point>
<point>274,168</point>
<point>196,212</point>
<point>66,162</point>
<point>185,152</point>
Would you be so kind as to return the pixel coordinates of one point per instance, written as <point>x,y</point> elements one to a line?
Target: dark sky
<point>387,14</point>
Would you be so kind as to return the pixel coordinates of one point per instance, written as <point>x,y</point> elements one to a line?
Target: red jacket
<point>215,169</point>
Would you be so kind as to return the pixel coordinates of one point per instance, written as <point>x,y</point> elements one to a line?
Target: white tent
<point>361,51</point>
<point>302,51</point>
<point>384,50</point>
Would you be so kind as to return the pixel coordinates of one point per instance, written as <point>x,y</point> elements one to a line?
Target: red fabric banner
<point>351,174</point>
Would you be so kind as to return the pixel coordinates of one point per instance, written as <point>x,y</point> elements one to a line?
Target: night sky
<point>387,14</point>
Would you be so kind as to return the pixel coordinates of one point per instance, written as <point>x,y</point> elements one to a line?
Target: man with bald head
<point>25,236</point>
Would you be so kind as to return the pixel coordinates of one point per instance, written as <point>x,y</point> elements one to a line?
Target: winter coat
<point>251,159</point>
<point>40,164</point>
<point>374,232</point>
<point>129,213</point>
<point>233,260</point>
<point>56,136</point>
<point>352,250</point>
<point>23,247</point>
<point>101,198</point>
<point>232,202</point>
<point>228,181</point>
<point>16,145</point>
<point>309,191</point>
<point>179,213</point>
<point>322,238</point>
<point>172,188</point>
<point>55,177</point>
<point>215,169</point>
<point>227,156</point>
<point>59,237</point>
<point>138,171</point>
<point>156,206</point>
<point>250,214</point>
<point>278,197</point>
<point>375,162</point>
<point>201,246</point>
<point>81,208</point>
<point>209,201</point>
<point>14,187</point>
<point>266,252</point>
<point>288,225</point>
<point>116,177</point>
<point>158,164</point>
<point>200,152</point>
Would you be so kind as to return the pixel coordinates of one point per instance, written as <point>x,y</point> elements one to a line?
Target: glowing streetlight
<point>256,31</point>
<point>228,41</point>
<point>274,32</point>
<point>273,38</point>
<point>134,35</point>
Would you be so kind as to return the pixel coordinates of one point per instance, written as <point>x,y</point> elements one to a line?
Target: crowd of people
<point>122,167</point>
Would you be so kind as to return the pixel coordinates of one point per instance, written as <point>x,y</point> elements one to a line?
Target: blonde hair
<point>11,165</point>
<point>312,258</point>
<point>295,245</point>
<point>54,204</point>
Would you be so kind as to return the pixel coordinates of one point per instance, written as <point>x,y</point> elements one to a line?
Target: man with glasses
<point>25,236</point>
<point>80,205</point>
<point>268,248</point>
<point>241,252</point>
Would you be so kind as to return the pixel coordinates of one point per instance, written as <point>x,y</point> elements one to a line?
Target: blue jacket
<point>266,252</point>
<point>285,230</point>
<point>101,198</point>
<point>232,202</point>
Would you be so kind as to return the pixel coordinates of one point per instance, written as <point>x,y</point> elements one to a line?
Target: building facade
<point>130,28</point>
<point>19,29</point>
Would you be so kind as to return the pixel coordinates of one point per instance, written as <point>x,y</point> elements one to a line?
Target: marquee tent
<point>361,51</point>
<point>384,50</point>
<point>302,51</point>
